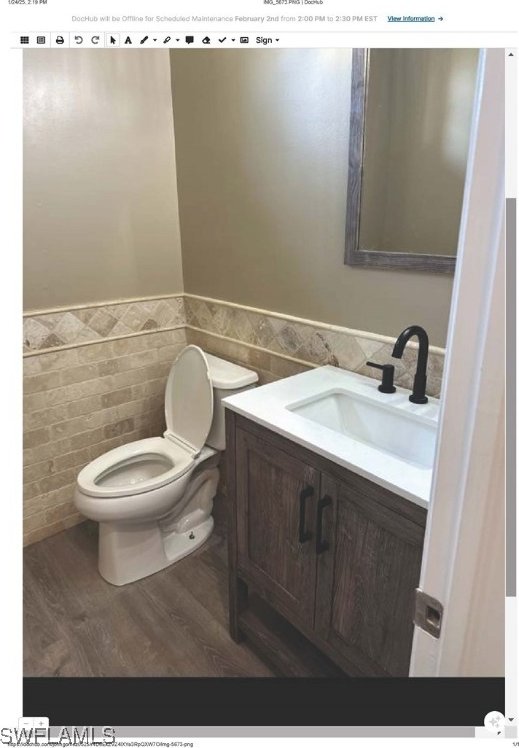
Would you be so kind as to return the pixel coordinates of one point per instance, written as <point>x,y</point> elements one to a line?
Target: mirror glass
<point>415,128</point>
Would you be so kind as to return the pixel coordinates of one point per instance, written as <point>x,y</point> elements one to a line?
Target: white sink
<point>402,434</point>
<point>343,417</point>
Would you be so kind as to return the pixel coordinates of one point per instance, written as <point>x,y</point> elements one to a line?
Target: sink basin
<point>402,434</point>
<point>342,416</point>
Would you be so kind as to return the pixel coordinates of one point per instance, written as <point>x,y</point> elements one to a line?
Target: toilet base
<point>129,551</point>
<point>178,545</point>
<point>118,563</point>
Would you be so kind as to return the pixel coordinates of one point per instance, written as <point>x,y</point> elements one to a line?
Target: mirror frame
<point>354,255</point>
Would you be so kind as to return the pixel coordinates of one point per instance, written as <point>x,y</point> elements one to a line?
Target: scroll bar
<point>511,649</point>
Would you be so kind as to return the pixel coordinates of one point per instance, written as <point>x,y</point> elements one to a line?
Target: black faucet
<point>420,377</point>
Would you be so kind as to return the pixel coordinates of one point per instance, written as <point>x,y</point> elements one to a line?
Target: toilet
<point>153,498</point>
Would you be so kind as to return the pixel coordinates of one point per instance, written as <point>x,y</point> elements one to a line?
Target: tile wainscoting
<point>94,378</point>
<point>60,328</point>
<point>303,343</point>
<point>78,404</point>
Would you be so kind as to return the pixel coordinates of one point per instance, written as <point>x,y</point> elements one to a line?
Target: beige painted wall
<point>100,196</point>
<point>262,149</point>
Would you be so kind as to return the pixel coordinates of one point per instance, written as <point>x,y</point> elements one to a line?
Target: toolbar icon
<point>144,39</point>
<point>166,40</point>
<point>112,40</point>
<point>128,40</point>
<point>244,39</point>
<point>78,39</point>
<point>206,40</point>
<point>60,40</point>
<point>95,40</point>
<point>190,39</point>
<point>24,40</point>
<point>40,40</point>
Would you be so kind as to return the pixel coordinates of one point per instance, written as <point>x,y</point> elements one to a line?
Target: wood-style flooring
<point>173,623</point>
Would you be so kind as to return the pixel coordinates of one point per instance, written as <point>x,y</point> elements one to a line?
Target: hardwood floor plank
<point>114,644</point>
<point>173,623</point>
<point>42,636</point>
<point>207,582</point>
<point>214,651</point>
<point>48,647</point>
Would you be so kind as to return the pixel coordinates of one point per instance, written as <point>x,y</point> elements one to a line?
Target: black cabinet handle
<point>320,544</point>
<point>304,534</point>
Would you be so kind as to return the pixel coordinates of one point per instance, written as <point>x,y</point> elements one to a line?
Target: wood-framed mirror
<point>410,122</point>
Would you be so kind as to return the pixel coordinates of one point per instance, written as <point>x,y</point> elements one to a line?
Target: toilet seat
<point>178,460</point>
<point>136,468</point>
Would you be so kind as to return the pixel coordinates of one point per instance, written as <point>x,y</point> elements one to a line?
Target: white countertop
<point>267,406</point>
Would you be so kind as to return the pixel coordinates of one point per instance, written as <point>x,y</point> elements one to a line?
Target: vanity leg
<point>238,591</point>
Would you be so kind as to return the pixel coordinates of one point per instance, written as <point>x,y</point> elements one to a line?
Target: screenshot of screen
<point>259,443</point>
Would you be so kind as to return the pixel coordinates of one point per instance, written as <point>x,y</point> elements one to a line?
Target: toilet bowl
<point>153,498</point>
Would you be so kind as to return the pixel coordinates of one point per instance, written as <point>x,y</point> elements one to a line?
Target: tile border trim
<point>311,323</point>
<point>254,347</point>
<point>71,327</point>
<point>242,307</point>
<point>304,342</point>
<point>42,351</point>
<point>68,327</point>
<point>97,304</point>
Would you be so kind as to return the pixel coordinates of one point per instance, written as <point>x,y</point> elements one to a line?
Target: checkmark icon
<point>222,40</point>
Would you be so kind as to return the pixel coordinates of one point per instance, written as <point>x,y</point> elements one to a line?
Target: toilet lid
<point>189,398</point>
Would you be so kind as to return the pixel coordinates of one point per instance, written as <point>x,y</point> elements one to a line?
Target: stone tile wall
<point>74,326</point>
<point>304,343</point>
<point>78,404</point>
<point>82,398</point>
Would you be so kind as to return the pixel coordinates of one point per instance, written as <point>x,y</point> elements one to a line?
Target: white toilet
<point>153,498</point>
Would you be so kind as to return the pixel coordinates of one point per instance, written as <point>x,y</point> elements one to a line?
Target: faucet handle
<point>388,372</point>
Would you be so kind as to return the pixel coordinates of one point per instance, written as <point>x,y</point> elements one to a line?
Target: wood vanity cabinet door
<point>276,497</point>
<point>367,579</point>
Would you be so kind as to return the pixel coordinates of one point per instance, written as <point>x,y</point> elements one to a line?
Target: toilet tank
<point>227,379</point>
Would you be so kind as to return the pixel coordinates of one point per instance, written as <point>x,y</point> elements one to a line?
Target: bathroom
<point>212,200</point>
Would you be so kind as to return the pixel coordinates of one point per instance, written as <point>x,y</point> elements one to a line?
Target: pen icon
<point>145,38</point>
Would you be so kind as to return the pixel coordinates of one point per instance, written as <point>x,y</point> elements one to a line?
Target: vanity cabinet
<point>336,555</point>
<point>367,578</point>
<point>277,499</point>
